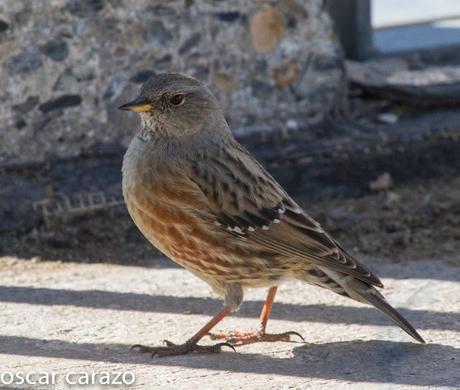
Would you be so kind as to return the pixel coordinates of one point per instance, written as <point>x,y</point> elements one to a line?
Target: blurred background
<point>352,105</point>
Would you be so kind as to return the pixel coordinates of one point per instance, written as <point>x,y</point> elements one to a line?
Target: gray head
<point>175,105</point>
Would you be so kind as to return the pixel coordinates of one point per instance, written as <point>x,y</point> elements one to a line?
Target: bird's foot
<point>172,349</point>
<point>242,338</point>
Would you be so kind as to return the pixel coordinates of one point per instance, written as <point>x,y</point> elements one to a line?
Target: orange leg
<point>241,338</point>
<point>267,309</point>
<point>190,345</point>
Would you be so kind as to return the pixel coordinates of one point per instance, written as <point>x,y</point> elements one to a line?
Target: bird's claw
<point>242,338</point>
<point>172,349</point>
<point>294,333</point>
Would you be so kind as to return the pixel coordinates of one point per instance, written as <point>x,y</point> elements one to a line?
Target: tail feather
<point>362,292</point>
<point>381,304</point>
<point>370,295</point>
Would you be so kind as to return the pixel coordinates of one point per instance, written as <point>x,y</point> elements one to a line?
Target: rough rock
<point>268,62</point>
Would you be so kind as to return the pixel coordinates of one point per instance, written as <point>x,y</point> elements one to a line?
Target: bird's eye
<point>177,100</point>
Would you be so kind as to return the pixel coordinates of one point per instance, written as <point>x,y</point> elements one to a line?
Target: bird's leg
<point>259,334</point>
<point>190,345</point>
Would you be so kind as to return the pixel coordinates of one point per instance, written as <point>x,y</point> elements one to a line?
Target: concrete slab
<point>72,318</point>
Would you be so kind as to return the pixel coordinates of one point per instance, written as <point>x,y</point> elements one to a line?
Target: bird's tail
<point>362,292</point>
<point>381,304</point>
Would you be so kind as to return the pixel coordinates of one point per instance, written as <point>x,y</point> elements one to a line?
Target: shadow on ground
<point>359,361</point>
<point>171,304</point>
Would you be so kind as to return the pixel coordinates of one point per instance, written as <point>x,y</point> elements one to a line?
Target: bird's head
<point>175,105</point>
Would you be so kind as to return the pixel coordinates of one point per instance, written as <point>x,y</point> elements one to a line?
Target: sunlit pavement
<point>72,319</point>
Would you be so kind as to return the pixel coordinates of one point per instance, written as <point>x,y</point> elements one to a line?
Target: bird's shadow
<point>357,361</point>
<point>423,319</point>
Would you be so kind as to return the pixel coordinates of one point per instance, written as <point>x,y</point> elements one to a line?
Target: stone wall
<point>67,65</point>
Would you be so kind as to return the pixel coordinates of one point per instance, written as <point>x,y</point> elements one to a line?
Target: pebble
<point>65,81</point>
<point>3,26</point>
<point>383,182</point>
<point>84,8</point>
<point>190,43</point>
<point>388,118</point>
<point>61,102</point>
<point>228,16</point>
<point>292,124</point>
<point>23,63</point>
<point>27,105</point>
<point>267,29</point>
<point>393,197</point>
<point>157,34</point>
<point>56,49</point>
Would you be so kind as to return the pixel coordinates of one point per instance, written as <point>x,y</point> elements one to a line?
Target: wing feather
<point>248,203</point>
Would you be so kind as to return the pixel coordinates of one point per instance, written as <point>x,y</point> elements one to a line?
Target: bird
<point>204,201</point>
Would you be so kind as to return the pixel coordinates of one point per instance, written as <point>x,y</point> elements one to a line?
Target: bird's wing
<point>248,203</point>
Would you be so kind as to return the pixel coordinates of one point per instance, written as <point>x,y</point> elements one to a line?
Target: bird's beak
<point>137,105</point>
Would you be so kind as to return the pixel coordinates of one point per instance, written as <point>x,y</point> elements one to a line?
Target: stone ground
<point>66,316</point>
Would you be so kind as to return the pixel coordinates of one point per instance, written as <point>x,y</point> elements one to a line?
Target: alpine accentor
<point>205,202</point>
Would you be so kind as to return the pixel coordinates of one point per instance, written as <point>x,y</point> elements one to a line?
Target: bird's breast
<point>189,241</point>
<point>172,216</point>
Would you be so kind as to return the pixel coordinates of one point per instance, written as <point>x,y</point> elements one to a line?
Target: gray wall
<point>67,65</point>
